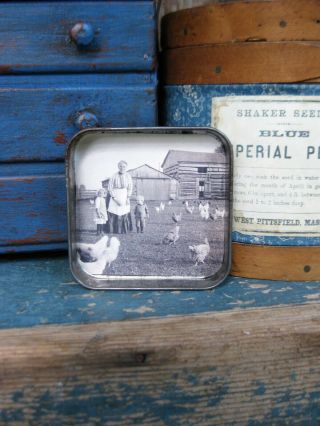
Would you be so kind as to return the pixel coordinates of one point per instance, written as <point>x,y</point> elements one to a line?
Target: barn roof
<point>146,171</point>
<point>175,156</point>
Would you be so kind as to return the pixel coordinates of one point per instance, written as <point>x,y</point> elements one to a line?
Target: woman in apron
<point>120,189</point>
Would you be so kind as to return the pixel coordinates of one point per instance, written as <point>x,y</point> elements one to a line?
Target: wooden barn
<point>202,175</point>
<point>83,193</point>
<point>151,183</point>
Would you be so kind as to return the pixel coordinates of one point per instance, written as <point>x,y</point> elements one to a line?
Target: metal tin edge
<point>133,284</point>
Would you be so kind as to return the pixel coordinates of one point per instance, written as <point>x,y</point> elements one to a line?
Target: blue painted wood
<point>32,206</point>
<point>35,37</point>
<point>39,115</point>
<point>190,105</point>
<point>41,290</point>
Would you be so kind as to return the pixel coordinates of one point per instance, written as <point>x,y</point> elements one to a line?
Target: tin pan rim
<point>161,282</point>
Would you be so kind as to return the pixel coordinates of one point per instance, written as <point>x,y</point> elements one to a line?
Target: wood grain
<point>38,119</point>
<point>241,367</point>
<point>33,206</point>
<point>227,63</point>
<point>280,20</point>
<point>276,263</point>
<point>39,113</point>
<point>35,36</point>
<point>38,290</point>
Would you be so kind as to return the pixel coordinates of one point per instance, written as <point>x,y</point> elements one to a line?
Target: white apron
<point>121,195</point>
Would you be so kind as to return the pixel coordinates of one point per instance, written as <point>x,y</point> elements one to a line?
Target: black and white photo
<point>153,206</point>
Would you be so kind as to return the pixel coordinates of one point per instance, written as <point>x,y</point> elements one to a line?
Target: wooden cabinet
<point>65,66</point>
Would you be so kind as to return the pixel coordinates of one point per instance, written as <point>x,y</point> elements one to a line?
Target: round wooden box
<point>251,70</point>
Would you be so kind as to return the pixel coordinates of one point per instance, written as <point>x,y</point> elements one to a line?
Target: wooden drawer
<point>33,207</point>
<point>38,115</point>
<point>77,36</point>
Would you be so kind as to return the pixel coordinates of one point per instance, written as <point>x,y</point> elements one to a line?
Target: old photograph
<point>151,207</point>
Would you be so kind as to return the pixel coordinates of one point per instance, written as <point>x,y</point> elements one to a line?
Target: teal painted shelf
<point>41,290</point>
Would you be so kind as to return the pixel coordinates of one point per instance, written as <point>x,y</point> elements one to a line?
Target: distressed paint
<point>42,113</point>
<point>190,105</point>
<point>43,291</point>
<point>32,205</point>
<point>216,368</point>
<point>37,39</point>
<point>155,357</point>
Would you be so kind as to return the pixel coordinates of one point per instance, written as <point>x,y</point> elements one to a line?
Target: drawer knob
<point>82,34</point>
<point>86,119</point>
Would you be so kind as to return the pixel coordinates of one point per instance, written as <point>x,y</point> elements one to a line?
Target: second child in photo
<point>141,212</point>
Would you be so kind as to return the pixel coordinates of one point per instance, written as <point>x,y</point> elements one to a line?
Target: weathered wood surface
<point>38,114</point>
<point>276,263</point>
<point>246,352</point>
<point>228,63</point>
<point>32,206</point>
<point>41,290</point>
<point>280,20</point>
<point>35,36</point>
<point>38,118</point>
<point>238,367</point>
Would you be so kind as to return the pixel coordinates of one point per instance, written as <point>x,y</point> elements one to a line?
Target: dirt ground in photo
<point>144,253</point>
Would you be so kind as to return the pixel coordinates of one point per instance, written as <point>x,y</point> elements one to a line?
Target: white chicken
<point>219,213</point>
<point>189,209</point>
<point>162,206</point>
<point>172,236</point>
<point>200,252</point>
<point>92,252</point>
<point>98,264</point>
<point>157,209</point>
<point>204,213</point>
<point>176,217</point>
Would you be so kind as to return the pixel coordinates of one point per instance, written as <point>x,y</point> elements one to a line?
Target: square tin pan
<point>185,177</point>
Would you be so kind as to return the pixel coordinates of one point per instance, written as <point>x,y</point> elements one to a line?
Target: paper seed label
<point>276,146</point>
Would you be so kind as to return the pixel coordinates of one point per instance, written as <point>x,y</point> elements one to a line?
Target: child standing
<point>141,212</point>
<point>101,215</point>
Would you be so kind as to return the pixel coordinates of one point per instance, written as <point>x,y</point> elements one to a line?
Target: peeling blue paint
<point>16,396</point>
<point>12,415</point>
<point>260,388</point>
<point>293,376</point>
<point>124,37</point>
<point>42,290</point>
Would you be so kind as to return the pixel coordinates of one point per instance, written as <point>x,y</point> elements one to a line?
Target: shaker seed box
<point>273,125</point>
<point>149,208</point>
<point>274,130</point>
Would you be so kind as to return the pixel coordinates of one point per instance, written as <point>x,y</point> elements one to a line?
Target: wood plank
<point>276,262</point>
<point>39,113</point>
<point>33,206</point>
<point>41,290</point>
<point>280,20</point>
<point>241,367</point>
<point>37,37</point>
<point>228,63</point>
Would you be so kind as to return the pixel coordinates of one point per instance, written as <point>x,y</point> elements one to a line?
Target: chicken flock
<point>95,258</point>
